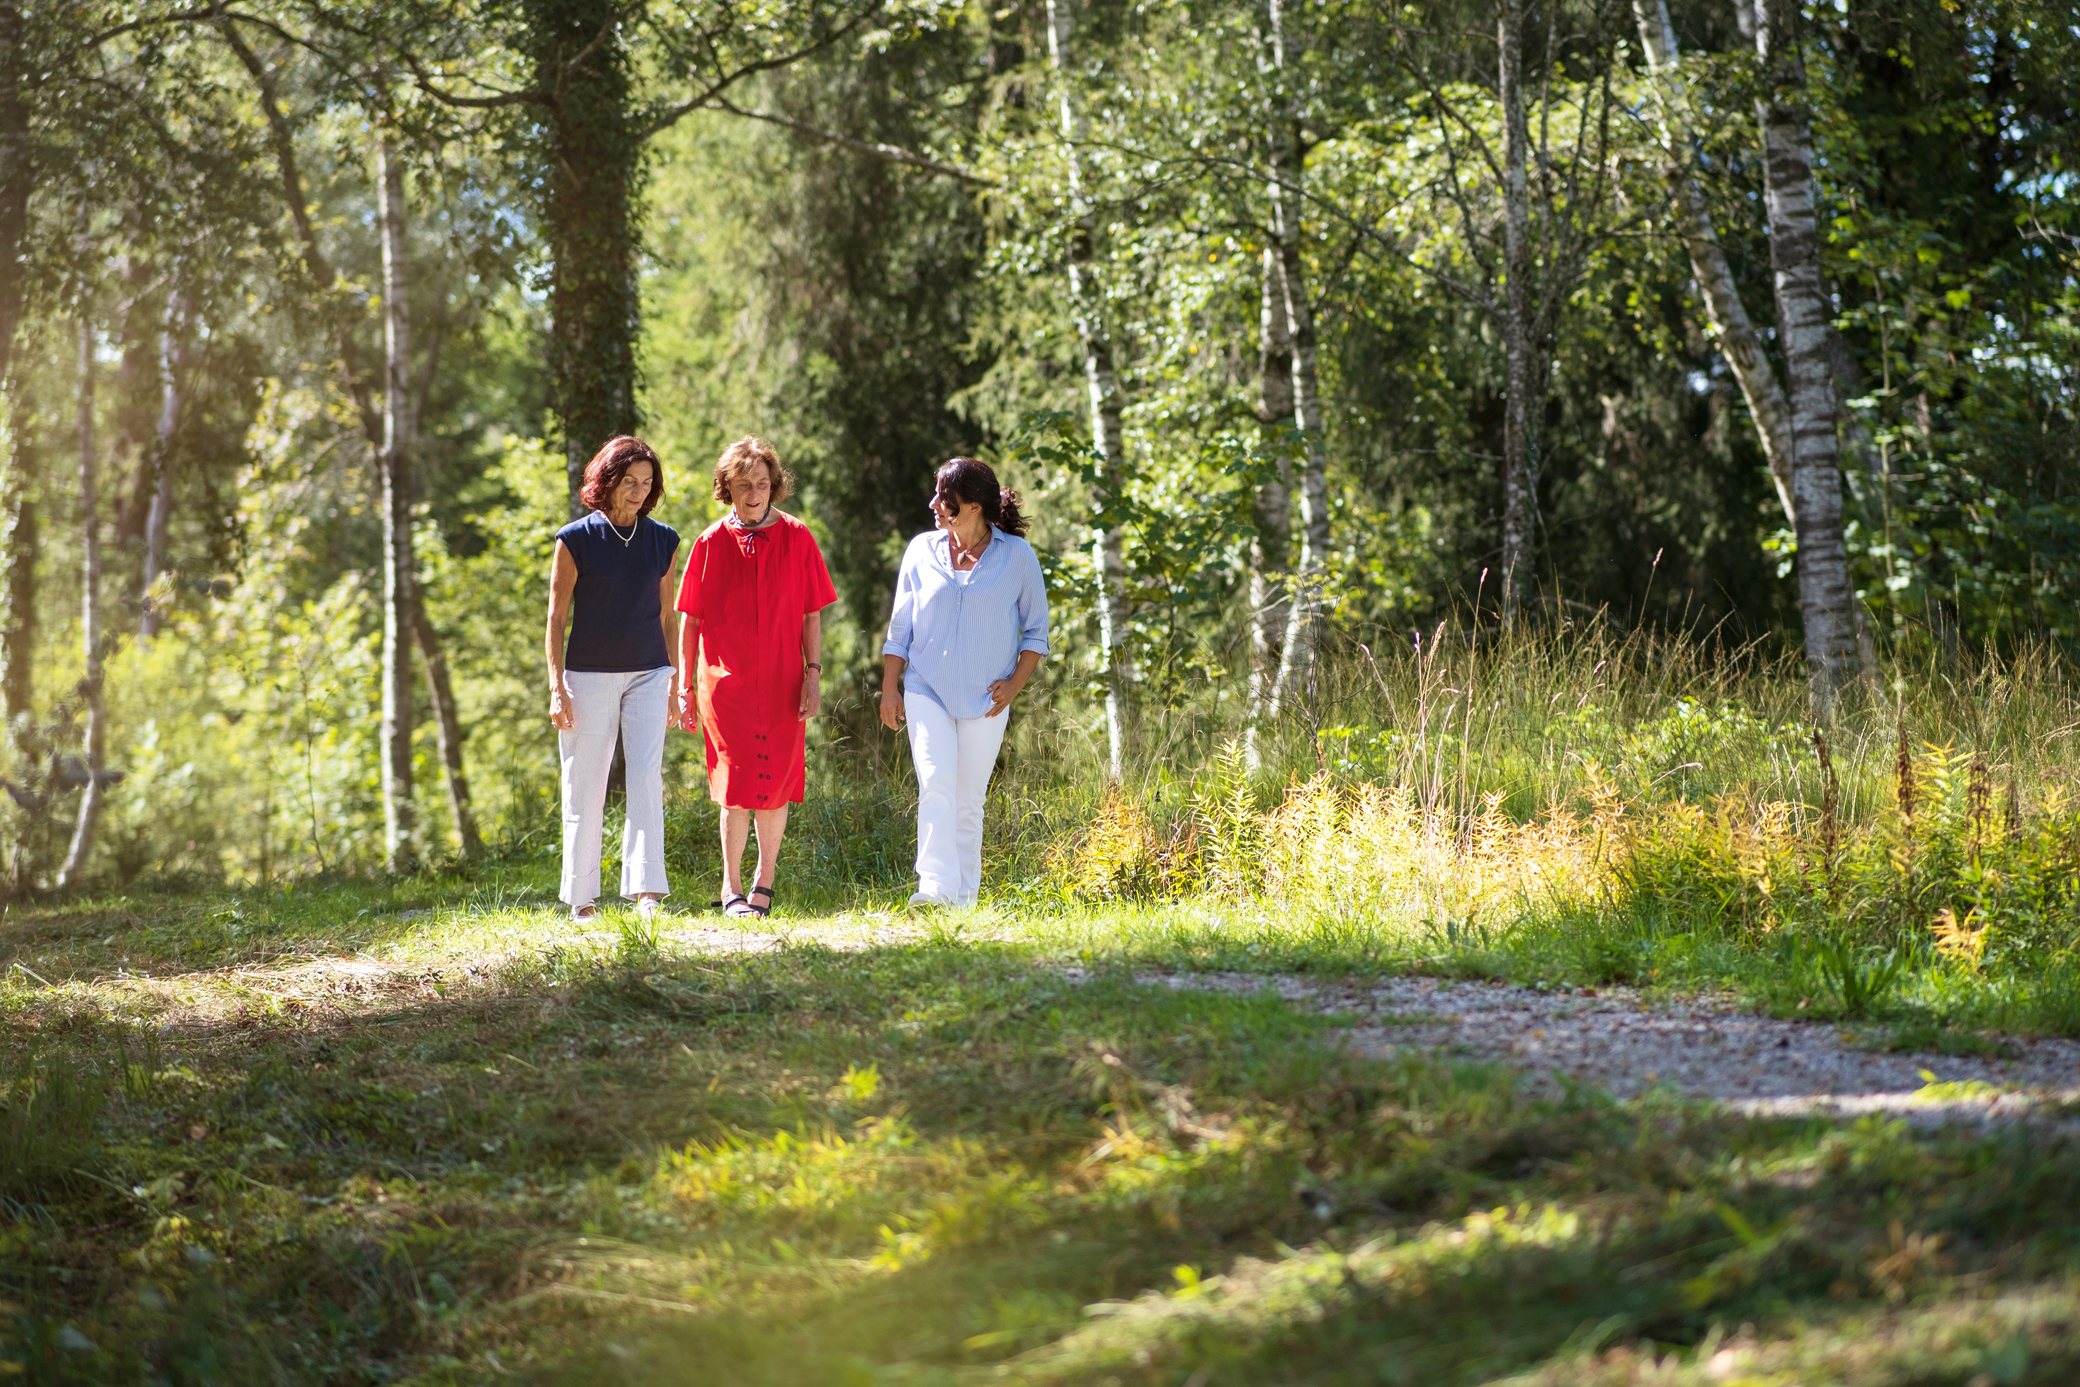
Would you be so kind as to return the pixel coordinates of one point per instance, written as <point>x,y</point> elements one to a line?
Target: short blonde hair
<point>746,453</point>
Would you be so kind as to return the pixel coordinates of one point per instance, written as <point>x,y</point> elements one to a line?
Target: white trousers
<point>954,758</point>
<point>633,705</point>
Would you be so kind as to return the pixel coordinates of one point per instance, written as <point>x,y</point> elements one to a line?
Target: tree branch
<point>894,154</point>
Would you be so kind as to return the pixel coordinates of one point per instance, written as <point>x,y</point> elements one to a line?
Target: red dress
<point>750,590</point>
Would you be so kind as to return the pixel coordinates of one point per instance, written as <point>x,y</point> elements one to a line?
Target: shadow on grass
<point>921,1163</point>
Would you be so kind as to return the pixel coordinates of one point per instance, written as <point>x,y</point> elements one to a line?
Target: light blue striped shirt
<point>961,632</point>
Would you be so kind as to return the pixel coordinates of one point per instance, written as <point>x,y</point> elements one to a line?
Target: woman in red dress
<point>754,593</point>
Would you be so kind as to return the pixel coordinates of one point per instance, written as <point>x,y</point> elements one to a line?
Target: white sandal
<point>647,907</point>
<point>587,911</point>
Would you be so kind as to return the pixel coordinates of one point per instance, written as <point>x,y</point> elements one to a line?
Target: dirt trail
<point>1618,1041</point>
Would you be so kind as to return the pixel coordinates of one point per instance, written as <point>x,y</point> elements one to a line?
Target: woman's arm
<point>689,661</point>
<point>666,590</point>
<point>892,691</point>
<point>812,664</point>
<point>563,580</point>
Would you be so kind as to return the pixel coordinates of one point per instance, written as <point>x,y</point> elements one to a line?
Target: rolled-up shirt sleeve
<point>903,615</point>
<point>1032,607</point>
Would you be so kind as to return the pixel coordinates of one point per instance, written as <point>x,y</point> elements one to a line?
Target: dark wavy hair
<point>971,480</point>
<point>611,463</point>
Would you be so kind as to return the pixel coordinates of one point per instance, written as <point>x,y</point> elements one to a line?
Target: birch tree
<point>1270,596</point>
<point>394,464</point>
<point>1107,437</point>
<point>1804,320</point>
<point>1287,157</point>
<point>1724,312</point>
<point>91,687</point>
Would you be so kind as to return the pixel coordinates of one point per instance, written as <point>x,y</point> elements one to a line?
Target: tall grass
<point>1638,806</point>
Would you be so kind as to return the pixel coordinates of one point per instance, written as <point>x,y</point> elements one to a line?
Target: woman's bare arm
<point>812,656</point>
<point>689,683</point>
<point>563,580</point>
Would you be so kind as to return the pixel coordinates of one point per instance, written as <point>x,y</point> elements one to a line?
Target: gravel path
<point>1616,1040</point>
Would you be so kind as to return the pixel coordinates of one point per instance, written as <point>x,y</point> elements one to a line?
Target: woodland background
<point>310,310</point>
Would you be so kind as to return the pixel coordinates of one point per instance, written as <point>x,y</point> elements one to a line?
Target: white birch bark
<point>1106,435</point>
<point>1523,382</point>
<point>172,380</point>
<point>1270,574</point>
<point>1804,321</point>
<point>1304,618</point>
<point>96,746</point>
<point>394,466</point>
<point>1723,309</point>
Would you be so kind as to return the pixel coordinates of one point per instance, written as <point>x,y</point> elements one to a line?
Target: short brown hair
<point>744,454</point>
<point>611,463</point>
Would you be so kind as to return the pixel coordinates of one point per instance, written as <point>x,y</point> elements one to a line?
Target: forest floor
<point>429,1133</point>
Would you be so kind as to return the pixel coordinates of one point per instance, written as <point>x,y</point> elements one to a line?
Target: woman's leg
<point>643,719</point>
<point>980,739</point>
<point>587,751</point>
<point>935,750</point>
<point>736,831</point>
<point>772,827</point>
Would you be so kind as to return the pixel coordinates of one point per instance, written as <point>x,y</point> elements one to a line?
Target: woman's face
<point>633,489</point>
<point>951,512</point>
<point>750,491</point>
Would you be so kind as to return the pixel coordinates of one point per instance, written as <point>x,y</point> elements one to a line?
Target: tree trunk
<point>1270,569</point>
<point>1106,434</point>
<point>448,723</point>
<point>1723,309</point>
<point>1304,615</point>
<point>17,171</point>
<point>1803,323</point>
<point>399,572</point>
<point>591,165</point>
<point>172,371</point>
<point>18,623</point>
<point>17,511</point>
<point>1523,381</point>
<point>90,621</point>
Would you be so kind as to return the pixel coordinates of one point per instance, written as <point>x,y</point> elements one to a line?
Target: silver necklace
<point>630,537</point>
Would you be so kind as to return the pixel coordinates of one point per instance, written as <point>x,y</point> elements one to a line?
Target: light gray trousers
<point>635,706</point>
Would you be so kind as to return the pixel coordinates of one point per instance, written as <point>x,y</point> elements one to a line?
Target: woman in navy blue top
<point>613,679</point>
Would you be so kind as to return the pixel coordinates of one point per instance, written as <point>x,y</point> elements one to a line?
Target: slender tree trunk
<point>398,569</point>
<point>1803,322</point>
<point>90,621</point>
<point>18,532</point>
<point>17,511</point>
<point>172,373</point>
<point>591,166</point>
<point>449,725</point>
<point>1524,383</point>
<point>1304,615</point>
<point>1271,562</point>
<point>1723,309</point>
<point>1106,434</point>
<point>17,172</point>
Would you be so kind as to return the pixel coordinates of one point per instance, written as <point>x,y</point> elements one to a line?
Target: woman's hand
<point>561,716</point>
<point>891,707</point>
<point>812,694</point>
<point>1001,692</point>
<point>689,710</point>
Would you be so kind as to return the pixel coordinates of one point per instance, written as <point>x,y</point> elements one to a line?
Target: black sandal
<point>761,911</point>
<point>731,907</point>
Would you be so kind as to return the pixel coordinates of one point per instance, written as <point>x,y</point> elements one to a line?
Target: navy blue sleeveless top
<point>614,609</point>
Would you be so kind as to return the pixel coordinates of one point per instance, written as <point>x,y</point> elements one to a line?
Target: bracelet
<point>811,664</point>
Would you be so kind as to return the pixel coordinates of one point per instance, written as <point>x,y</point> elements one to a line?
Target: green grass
<point>333,1130</point>
<point>325,1141</point>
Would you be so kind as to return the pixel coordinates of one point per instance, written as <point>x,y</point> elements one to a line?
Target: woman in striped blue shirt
<point>968,629</point>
